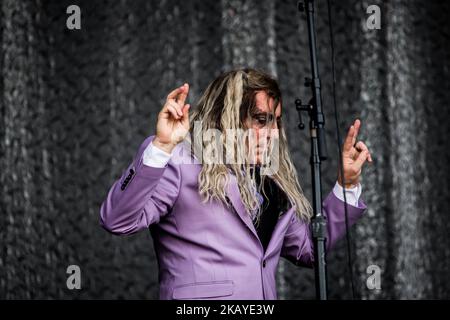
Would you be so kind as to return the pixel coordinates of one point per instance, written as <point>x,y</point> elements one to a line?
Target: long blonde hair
<point>225,104</point>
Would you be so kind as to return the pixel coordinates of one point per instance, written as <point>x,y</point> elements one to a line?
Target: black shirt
<point>274,203</point>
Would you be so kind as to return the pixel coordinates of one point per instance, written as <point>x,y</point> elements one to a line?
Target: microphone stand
<point>318,153</point>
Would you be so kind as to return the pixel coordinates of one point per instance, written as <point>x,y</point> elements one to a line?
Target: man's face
<point>264,123</point>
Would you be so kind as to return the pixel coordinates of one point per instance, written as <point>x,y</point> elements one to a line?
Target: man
<point>219,228</point>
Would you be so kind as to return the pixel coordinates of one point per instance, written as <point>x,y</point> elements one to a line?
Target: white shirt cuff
<point>352,194</point>
<point>155,157</point>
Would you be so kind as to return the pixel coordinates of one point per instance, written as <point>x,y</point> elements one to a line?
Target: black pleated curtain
<point>76,104</point>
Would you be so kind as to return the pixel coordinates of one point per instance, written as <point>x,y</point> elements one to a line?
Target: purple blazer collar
<point>239,208</point>
<point>236,201</point>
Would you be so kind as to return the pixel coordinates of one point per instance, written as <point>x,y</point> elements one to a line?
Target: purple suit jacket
<point>209,251</point>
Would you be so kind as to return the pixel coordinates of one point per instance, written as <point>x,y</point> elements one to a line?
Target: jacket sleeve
<point>141,196</point>
<point>298,246</point>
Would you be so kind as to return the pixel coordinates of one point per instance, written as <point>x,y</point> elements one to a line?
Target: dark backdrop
<point>75,105</point>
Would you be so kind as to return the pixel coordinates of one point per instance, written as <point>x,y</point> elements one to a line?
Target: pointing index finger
<point>174,93</point>
<point>349,139</point>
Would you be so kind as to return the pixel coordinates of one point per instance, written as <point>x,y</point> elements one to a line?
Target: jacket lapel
<point>279,231</point>
<point>236,201</point>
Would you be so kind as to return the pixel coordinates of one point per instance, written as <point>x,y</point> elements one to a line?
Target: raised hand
<point>173,120</point>
<point>354,155</point>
